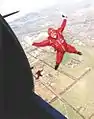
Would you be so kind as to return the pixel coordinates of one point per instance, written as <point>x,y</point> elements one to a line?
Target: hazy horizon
<point>28,6</point>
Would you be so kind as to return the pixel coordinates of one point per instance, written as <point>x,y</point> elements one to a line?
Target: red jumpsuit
<point>57,41</point>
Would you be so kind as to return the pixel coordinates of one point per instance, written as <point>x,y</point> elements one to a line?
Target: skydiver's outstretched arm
<point>63,25</point>
<point>42,43</point>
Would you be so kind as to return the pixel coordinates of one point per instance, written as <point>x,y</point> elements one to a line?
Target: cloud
<point>25,6</point>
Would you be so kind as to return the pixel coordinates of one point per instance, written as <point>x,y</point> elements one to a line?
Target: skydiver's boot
<point>79,53</point>
<point>56,66</point>
<point>54,49</point>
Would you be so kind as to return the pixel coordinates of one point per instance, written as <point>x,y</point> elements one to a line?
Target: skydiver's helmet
<point>52,33</point>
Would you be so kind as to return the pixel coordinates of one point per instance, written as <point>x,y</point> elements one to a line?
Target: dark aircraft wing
<point>17,99</point>
<point>4,16</point>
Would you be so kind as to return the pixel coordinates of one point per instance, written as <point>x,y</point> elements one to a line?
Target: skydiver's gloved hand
<point>64,16</point>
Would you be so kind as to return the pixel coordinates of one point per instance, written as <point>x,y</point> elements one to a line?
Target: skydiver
<point>38,73</point>
<point>57,41</point>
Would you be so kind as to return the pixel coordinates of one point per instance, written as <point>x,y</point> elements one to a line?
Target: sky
<point>27,6</point>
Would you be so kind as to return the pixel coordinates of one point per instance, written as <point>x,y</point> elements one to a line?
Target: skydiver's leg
<point>42,43</point>
<point>59,57</point>
<point>71,49</point>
